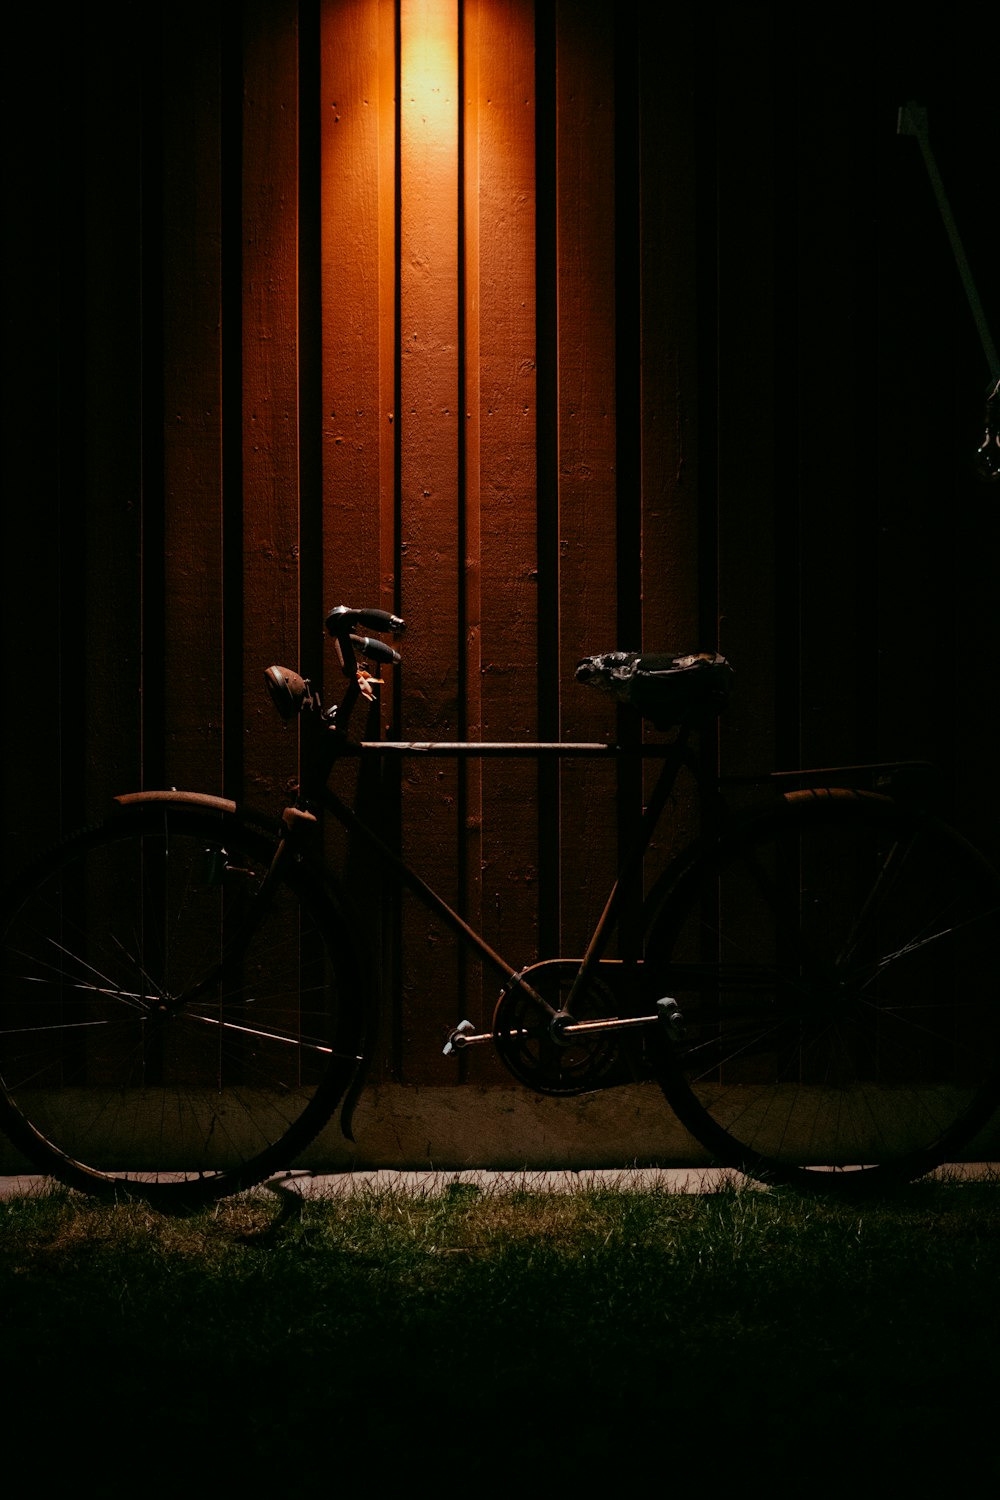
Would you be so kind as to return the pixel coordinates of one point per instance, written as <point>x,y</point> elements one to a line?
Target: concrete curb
<point>310,1185</point>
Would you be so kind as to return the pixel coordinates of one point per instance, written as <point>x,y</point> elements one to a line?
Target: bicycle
<point>185,1001</point>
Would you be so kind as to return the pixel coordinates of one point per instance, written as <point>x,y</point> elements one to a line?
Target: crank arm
<point>667,1015</point>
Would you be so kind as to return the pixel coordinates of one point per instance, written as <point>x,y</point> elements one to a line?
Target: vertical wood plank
<point>42,411</point>
<point>359,372</point>
<point>586,428</point>
<point>192,439</point>
<point>469,851</point>
<point>507,427</point>
<point>117,98</point>
<point>546,282</point>
<point>355,118</point>
<point>669,333</point>
<point>309,298</point>
<point>756,370</point>
<point>271,539</point>
<point>388,325</point>
<point>430,496</point>
<point>836,318</point>
<point>671,555</point>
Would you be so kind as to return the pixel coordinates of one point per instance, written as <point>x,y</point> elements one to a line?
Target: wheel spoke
<point>833,966</point>
<point>154,1027</point>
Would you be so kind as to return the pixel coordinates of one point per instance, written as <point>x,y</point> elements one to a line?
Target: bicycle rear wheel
<point>162,1035</point>
<point>834,964</point>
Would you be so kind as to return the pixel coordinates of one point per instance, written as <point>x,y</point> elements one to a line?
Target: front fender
<point>200,802</point>
<point>177,799</point>
<point>363,1025</point>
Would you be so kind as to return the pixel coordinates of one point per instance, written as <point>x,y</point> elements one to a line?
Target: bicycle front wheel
<point>164,1031</point>
<point>834,966</point>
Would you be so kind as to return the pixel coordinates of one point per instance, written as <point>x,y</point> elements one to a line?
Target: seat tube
<point>629,866</point>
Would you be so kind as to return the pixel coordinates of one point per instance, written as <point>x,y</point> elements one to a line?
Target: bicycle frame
<point>674,755</point>
<point>333,745</point>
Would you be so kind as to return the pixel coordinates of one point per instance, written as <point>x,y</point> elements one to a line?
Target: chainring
<point>527,1048</point>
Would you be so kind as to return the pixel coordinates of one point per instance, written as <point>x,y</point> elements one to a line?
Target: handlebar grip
<point>375,650</point>
<point>341,620</point>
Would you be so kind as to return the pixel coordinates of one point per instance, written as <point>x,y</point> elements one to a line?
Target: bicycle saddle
<point>665,689</point>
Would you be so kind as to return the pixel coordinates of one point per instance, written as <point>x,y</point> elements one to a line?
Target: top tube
<point>475,748</point>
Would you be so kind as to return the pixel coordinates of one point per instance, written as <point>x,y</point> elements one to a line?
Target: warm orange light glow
<point>429,60</point>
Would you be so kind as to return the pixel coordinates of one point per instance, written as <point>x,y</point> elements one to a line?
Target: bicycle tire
<point>156,1043</point>
<point>833,965</point>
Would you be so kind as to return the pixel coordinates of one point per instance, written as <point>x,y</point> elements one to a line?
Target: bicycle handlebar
<point>291,693</point>
<point>342,620</point>
<point>341,623</point>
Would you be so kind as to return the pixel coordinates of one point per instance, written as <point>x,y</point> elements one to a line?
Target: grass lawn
<point>492,1339</point>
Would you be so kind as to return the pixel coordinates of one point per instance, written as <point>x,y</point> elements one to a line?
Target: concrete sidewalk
<point>341,1184</point>
<point>664,1179</point>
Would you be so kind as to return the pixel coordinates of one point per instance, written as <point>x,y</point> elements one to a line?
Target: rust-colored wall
<point>553,327</point>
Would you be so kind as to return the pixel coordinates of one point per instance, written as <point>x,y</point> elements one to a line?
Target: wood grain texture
<point>585,265</point>
<point>502,413</point>
<point>192,540</point>
<point>271,531</point>
<point>355,118</point>
<point>113,328</point>
<point>430,494</point>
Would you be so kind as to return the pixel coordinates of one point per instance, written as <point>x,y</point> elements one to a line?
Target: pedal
<point>458,1038</point>
<point>671,1018</point>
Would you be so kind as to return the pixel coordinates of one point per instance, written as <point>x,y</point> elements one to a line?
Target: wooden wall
<point>553,327</point>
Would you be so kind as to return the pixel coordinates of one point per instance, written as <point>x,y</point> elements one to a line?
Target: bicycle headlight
<point>289,692</point>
